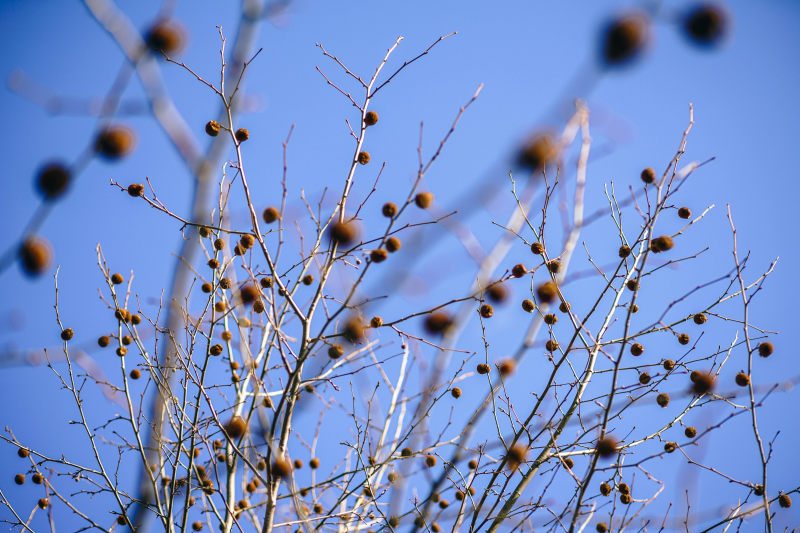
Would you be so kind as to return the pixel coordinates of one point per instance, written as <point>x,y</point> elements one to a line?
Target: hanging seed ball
<point>236,427</point>
<point>455,392</point>
<point>242,135</point>
<point>435,527</point>
<point>519,270</point>
<point>135,373</point>
<point>742,379</point>
<point>554,266</point>
<point>249,293</point>
<point>662,243</point>
<point>114,142</point>
<point>394,521</point>
<point>103,341</point>
<point>438,322</point>
<point>547,292</point>
<point>662,399</point>
<point>298,464</point>
<point>668,364</point>
<point>637,349</point>
<point>53,180</point>
<point>670,447</point>
<point>392,477</point>
<point>215,349</point>
<point>483,369</point>
<point>497,293</point>
<point>389,209</point>
<point>703,383</point>
<point>121,351</point>
<point>261,465</point>
<point>376,322</point>
<point>632,284</point>
<point>35,255</point>
<point>765,349</point>
<point>123,315</point>
<point>624,488</point>
<point>126,340</point>
<point>685,212</point>
<point>343,233</point>
<point>625,498</point>
<point>506,367</point>
<point>353,329</point>
<point>37,478</point>
<point>363,157</point>
<point>516,456</point>
<point>690,432</point>
<point>528,305</point>
<point>23,453</point>
<point>308,279</point>
<point>136,319</point>
<point>258,306</point>
<point>164,36</point>
<point>605,488</point>
<point>601,527</point>
<point>67,334</point>
<point>785,501</point>
<point>537,248</point>
<point>648,175</point>
<point>378,256</point>
<point>43,503</point>
<point>213,128</point>
<point>19,479</point>
<point>197,526</point>
<point>487,311</point>
<point>121,520</point>
<point>213,263</point>
<point>219,244</point>
<point>624,251</point>
<point>423,200</point>
<point>551,345</point>
<point>225,283</point>
<point>550,319</point>
<point>705,24</point>
<point>247,241</point>
<point>634,308</point>
<point>117,279</point>
<point>335,351</point>
<point>700,318</point>
<point>623,39</point>
<point>430,461</point>
<point>473,464</point>
<point>644,378</point>
<point>606,447</point>
<point>568,462</point>
<point>239,250</point>
<point>371,118</point>
<point>266,282</point>
<point>539,151</point>
<point>564,307</point>
<point>393,244</point>
<point>758,490</point>
<point>683,338</point>
<point>271,214</point>
<point>206,287</point>
<point>406,452</point>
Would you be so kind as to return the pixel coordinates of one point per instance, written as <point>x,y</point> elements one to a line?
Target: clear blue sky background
<point>525,53</point>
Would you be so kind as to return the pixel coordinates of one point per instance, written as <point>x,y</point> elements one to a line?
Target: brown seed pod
<point>197,526</point>
<point>554,266</point>
<point>668,364</point>
<point>648,175</point>
<point>389,209</point>
<point>270,215</point>
<point>547,292</point>
<point>266,282</point>
<point>550,319</point>
<point>335,351</point>
<point>353,329</point>
<point>281,468</point>
<point>506,367</point>
<point>528,305</point>
<point>625,498</point>
<point>765,349</point>
<point>122,314</point>
<point>700,318</point>
<point>376,322</point>
<point>473,464</point>
<point>606,447</point>
<point>551,345</point>
<point>371,118</point>
<point>683,338</point>
<point>298,464</point>
<point>343,233</point>
<point>486,311</point>
<point>519,270</point>
<point>705,24</point>
<point>19,479</point>
<point>690,432</point>
<point>37,478</point>
<point>247,241</point>
<point>35,255</point>
<point>758,490</point>
<point>662,244</point>
<point>624,488</point>
<point>242,135</point>
<point>239,250</point>
<point>539,152</point>
<point>363,157</point>
<point>206,287</point>
<point>393,244</point>
<point>213,128</point>
<point>516,456</point>
<point>670,446</point>
<point>605,488</point>
<point>216,349</point>
<point>644,378</point>
<point>634,308</point>
<point>126,340</point>
<point>135,373</point>
<point>261,465</point>
<point>742,379</point>
<point>43,503</point>
<point>497,293</point>
<point>165,36</point>
<point>684,212</point>
<point>53,180</point>
<point>213,263</point>
<point>785,501</point>
<point>121,520</point>
<point>430,461</point>
<point>438,322</point>
<point>115,141</point>
<point>103,341</point>
<point>23,453</point>
<point>632,284</point>
<point>435,527</point>
<point>121,351</point>
<point>482,369</point>
<point>455,392</point>
<point>378,256</point>
<point>703,383</point>
<point>564,307</point>
<point>537,248</point>
<point>423,200</point>
<point>637,349</point>
<point>249,293</point>
<point>406,452</point>
<point>225,283</point>
<point>308,279</point>
<point>117,279</point>
<point>601,527</point>
<point>568,462</point>
<point>220,307</point>
<point>67,334</point>
<point>204,232</point>
<point>236,427</point>
<point>662,399</point>
<point>258,306</point>
<point>623,39</point>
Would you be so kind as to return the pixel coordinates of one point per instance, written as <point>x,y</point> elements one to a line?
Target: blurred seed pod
<point>539,152</point>
<point>623,39</point>
<point>35,255</point>
<point>166,36</point>
<point>115,142</point>
<point>52,180</point>
<point>705,24</point>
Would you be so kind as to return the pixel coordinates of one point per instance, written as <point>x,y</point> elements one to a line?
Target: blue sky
<point>525,53</point>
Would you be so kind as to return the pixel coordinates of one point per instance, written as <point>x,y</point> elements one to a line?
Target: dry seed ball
<point>212,128</point>
<point>136,319</point>
<point>705,24</point>
<point>393,244</point>
<point>632,284</point>
<point>662,399</point>
<point>53,180</point>
<point>258,306</point>
<point>648,175</point>
<point>378,256</point>
<point>625,498</point>
<point>670,447</point>
<point>663,243</point>
<point>455,392</point>
<point>103,341</point>
<point>298,464</point>
<point>547,292</point>
<point>430,461</point>
<point>637,349</point>
<point>335,351</point>
<point>219,244</point>
<point>206,287</point>
<point>568,462</point>
<point>623,39</point>
<point>606,447</point>
<point>343,233</point>
<point>266,282</point>
<point>37,478</point>
<point>225,283</point>
<point>699,318</point>
<point>685,212</point>
<point>19,479</point>
<point>539,151</point>
<point>497,293</point>
<point>126,340</point>
<point>43,503</point>
<point>242,135</point>
<point>537,248</point>
<point>624,251</point>
<point>765,349</point>
<point>308,279</point>
<point>121,520</point>
<point>690,432</point>
<point>238,250</point>
<point>220,307</point>
<point>406,452</point>
<point>644,378</point>
<point>668,364</point>
<point>683,338</point>
<point>67,334</point>
<point>135,190</point>
<point>785,501</point>
<point>135,373</point>
<point>389,209</point>
<point>247,240</point>
<point>528,305</point>
<point>236,427</point>
<point>516,455</point>
<point>117,278</point>
<point>423,200</point>
<point>483,368</point>
<point>554,266</point>
<point>392,477</point>
<point>487,311</point>
<point>703,383</point>
<point>114,142</point>
<point>164,36</point>
<point>605,488</point>
<point>213,263</point>
<point>634,308</point>
<point>35,255</point>
<point>473,464</point>
<point>216,349</point>
<point>551,345</point>
<point>742,379</point>
<point>506,367</point>
<point>438,322</point>
<point>121,351</point>
<point>371,118</point>
<point>271,214</point>
<point>564,307</point>
<point>376,322</point>
<point>363,157</point>
<point>519,270</point>
<point>758,490</point>
<point>353,329</point>
<point>601,527</point>
<point>23,453</point>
